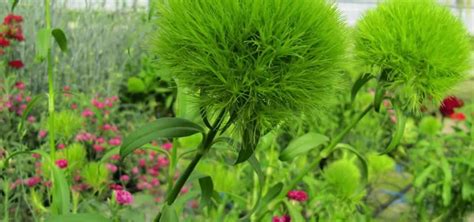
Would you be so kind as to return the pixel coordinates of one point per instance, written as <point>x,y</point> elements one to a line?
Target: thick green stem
<point>326,150</point>
<point>51,134</point>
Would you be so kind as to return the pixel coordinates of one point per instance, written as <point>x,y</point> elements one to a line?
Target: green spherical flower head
<point>343,178</point>
<point>263,60</point>
<point>421,47</point>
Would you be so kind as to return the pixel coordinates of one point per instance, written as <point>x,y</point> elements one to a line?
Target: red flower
<point>458,116</point>
<point>4,42</point>
<point>297,195</point>
<point>20,85</point>
<point>19,36</point>
<point>9,19</point>
<point>449,104</point>
<point>16,64</point>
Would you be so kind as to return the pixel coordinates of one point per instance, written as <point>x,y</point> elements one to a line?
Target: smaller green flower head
<point>421,46</point>
<point>264,60</point>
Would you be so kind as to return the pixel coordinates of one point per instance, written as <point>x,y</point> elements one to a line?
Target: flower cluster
<point>11,30</point>
<point>284,218</point>
<point>16,102</point>
<point>123,197</point>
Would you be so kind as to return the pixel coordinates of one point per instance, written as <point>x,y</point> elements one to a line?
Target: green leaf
<point>250,139</point>
<point>160,129</point>
<point>43,39</point>
<point>60,191</point>
<point>423,176</point>
<point>169,214</point>
<point>361,81</point>
<point>89,217</point>
<point>261,182</point>
<point>272,193</point>
<point>207,188</point>
<point>399,130</point>
<point>302,145</point>
<point>14,4</point>
<point>447,182</point>
<point>27,111</point>
<point>379,96</point>
<point>294,211</point>
<point>136,85</point>
<point>60,38</point>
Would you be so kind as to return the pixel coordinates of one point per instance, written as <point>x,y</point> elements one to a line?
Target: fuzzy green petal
<point>265,60</point>
<point>422,44</point>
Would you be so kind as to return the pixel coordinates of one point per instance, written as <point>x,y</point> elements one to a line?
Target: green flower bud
<point>262,60</point>
<point>343,178</point>
<point>420,45</point>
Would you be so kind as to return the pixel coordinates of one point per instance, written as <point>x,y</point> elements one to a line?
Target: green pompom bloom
<point>262,60</point>
<point>343,178</point>
<point>420,45</point>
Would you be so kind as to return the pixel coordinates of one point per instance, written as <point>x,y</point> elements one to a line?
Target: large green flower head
<point>421,47</point>
<point>262,60</point>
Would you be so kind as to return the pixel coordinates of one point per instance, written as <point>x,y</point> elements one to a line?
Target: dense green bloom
<point>422,47</point>
<point>343,178</point>
<point>264,60</point>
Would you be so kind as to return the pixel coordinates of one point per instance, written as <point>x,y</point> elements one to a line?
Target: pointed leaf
<point>447,182</point>
<point>361,81</point>
<point>294,211</point>
<point>169,214</point>
<point>207,188</point>
<point>160,129</point>
<point>302,145</point>
<point>60,38</point>
<point>27,111</point>
<point>250,139</point>
<point>272,193</point>
<point>399,130</point>
<point>14,4</point>
<point>43,39</point>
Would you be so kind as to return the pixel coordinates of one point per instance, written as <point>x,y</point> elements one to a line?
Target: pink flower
<point>33,181</point>
<point>135,170</point>
<point>20,85</point>
<point>115,157</point>
<point>284,218</point>
<point>100,140</point>
<point>85,137</point>
<point>153,172</point>
<point>155,182</point>
<point>31,119</point>
<point>144,185</point>
<point>184,190</point>
<point>36,155</point>
<point>87,113</point>
<point>74,107</point>
<point>115,186</point>
<point>42,134</point>
<point>48,183</point>
<point>116,141</point>
<point>142,162</point>
<point>28,99</point>
<point>97,103</point>
<point>167,146</point>
<point>61,146</point>
<point>124,178</point>
<point>98,148</point>
<point>297,195</point>
<point>61,163</point>
<point>123,197</point>
<point>66,88</point>
<point>163,161</point>
<point>112,168</point>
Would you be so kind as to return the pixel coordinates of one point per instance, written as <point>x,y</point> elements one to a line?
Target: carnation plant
<point>254,65</point>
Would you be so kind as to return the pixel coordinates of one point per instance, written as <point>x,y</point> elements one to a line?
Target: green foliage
<point>343,178</point>
<point>379,164</point>
<point>95,174</point>
<point>420,44</point>
<point>430,126</point>
<point>67,123</point>
<point>244,58</point>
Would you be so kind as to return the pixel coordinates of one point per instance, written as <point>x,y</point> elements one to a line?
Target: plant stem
<point>51,134</point>
<point>203,149</point>
<point>327,150</point>
<point>5,204</point>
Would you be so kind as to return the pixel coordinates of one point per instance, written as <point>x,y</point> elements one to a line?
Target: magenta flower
<point>61,146</point>
<point>124,178</point>
<point>297,195</point>
<point>31,119</point>
<point>32,181</point>
<point>167,146</point>
<point>142,162</point>
<point>116,141</point>
<point>61,163</point>
<point>163,161</point>
<point>42,134</point>
<point>115,186</point>
<point>115,157</point>
<point>123,197</point>
<point>284,218</point>
<point>135,170</point>
<point>98,148</point>
<point>20,85</point>
<point>112,168</point>
<point>87,113</point>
